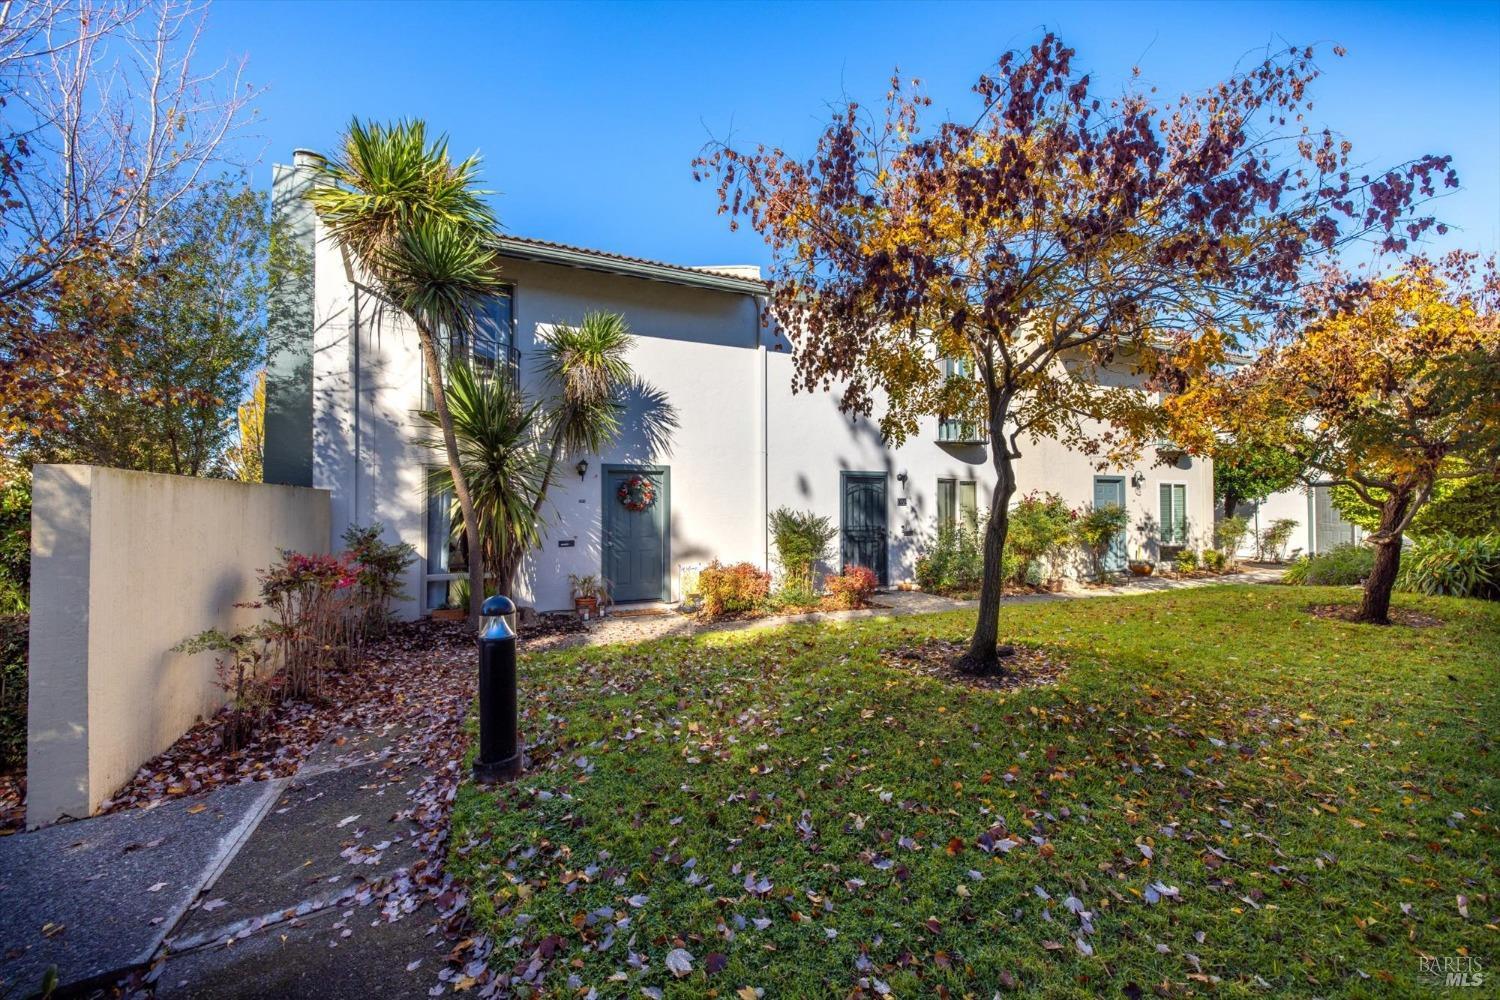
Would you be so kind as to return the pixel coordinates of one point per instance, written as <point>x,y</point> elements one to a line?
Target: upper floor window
<point>951,431</point>
<point>489,343</point>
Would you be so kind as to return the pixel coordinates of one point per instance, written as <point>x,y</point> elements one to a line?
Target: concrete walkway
<point>261,889</point>
<point>667,622</point>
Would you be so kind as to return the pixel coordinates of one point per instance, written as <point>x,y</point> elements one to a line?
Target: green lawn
<point>801,817</point>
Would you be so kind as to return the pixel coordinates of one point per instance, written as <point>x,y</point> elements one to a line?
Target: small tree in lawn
<point>417,223</point>
<point>1247,472</point>
<point>1047,235</point>
<point>1387,387</point>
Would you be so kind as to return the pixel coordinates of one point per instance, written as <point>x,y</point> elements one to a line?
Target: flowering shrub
<point>732,589</point>
<point>310,596</point>
<point>853,588</point>
<point>1041,525</point>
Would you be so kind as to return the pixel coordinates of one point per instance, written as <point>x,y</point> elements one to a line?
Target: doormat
<point>639,612</point>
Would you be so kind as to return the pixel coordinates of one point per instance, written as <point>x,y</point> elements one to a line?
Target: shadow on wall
<point>649,422</point>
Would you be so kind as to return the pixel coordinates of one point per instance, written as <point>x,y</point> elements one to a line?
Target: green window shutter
<point>1173,513</point>
<point>946,501</point>
<point>968,505</point>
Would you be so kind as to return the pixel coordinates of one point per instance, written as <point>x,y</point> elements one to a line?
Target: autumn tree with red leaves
<point>1050,234</point>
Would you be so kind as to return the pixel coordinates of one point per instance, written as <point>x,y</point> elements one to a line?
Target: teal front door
<point>1110,491</point>
<point>635,541</point>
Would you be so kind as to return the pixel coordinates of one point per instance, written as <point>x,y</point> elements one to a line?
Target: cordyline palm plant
<point>417,223</point>
<point>497,431</point>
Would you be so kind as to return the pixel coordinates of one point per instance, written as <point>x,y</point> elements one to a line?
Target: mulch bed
<point>401,675</point>
<point>12,802</point>
<point>1350,613</point>
<point>1030,666</point>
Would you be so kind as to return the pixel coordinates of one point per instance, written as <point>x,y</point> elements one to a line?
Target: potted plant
<point>588,595</point>
<point>1140,566</point>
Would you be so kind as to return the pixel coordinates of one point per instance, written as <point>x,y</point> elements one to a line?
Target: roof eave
<point>574,257</point>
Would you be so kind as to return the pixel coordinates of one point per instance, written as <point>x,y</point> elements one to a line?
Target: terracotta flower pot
<point>586,607</point>
<point>1142,568</point>
<point>449,614</point>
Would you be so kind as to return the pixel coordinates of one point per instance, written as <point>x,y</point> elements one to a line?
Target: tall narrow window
<point>1174,513</point>
<point>489,343</point>
<point>446,560</point>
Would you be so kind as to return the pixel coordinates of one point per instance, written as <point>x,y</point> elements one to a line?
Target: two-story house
<point>346,381</point>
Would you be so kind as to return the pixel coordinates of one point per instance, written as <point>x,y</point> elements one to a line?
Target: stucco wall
<point>812,441</point>
<point>124,566</point>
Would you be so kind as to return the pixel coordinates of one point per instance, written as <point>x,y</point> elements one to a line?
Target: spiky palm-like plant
<point>497,430</point>
<point>417,223</point>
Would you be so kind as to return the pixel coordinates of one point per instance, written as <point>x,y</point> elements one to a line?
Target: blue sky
<point>588,115</point>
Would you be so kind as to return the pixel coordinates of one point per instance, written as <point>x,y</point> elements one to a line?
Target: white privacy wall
<point>124,565</point>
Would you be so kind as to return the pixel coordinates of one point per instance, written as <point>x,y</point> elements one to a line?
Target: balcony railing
<point>960,432</point>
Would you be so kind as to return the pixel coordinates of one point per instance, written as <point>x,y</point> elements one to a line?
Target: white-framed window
<point>958,503</point>
<point>1174,519</point>
<point>445,558</point>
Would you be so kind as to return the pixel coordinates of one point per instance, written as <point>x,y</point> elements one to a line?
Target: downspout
<point>765,442</point>
<point>354,509</point>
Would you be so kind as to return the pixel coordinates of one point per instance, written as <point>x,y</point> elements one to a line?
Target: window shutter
<point>945,502</point>
<point>968,505</point>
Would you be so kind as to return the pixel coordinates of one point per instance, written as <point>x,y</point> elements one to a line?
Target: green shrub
<point>1215,560</point>
<point>1453,566</point>
<point>956,560</point>
<point>801,539</point>
<point>1344,566</point>
<point>733,589</point>
<point>13,692</point>
<point>1186,561</point>
<point>15,538</point>
<point>1096,528</point>
<point>853,587</point>
<point>1229,534</point>
<point>1274,538</point>
<point>1040,526</point>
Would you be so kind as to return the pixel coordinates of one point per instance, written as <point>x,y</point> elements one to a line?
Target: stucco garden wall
<point>124,565</point>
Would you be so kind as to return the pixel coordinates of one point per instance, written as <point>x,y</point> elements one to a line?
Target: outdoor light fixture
<point>901,477</point>
<point>582,467</point>
<point>1138,480</point>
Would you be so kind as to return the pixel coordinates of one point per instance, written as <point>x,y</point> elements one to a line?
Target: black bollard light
<point>500,755</point>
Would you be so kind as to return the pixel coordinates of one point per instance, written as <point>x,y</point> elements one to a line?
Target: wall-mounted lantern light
<point>901,477</point>
<point>582,467</point>
<point>1138,480</point>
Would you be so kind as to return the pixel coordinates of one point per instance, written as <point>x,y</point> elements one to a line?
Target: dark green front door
<point>635,541</point>
<point>862,522</point>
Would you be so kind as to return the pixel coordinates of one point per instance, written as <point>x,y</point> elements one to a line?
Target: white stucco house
<point>1320,528</point>
<point>346,380</point>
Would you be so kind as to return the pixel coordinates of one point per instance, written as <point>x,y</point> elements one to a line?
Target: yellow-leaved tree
<point>1387,386</point>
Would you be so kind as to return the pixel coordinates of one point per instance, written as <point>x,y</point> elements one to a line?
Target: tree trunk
<point>983,655</point>
<point>1375,608</point>
<point>455,468</point>
<point>1231,503</point>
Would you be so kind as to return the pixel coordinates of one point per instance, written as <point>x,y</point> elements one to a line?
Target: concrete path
<point>99,896</point>
<point>669,623</point>
<point>261,889</point>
